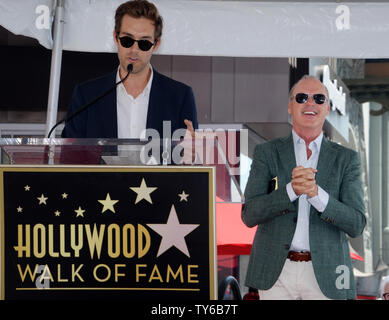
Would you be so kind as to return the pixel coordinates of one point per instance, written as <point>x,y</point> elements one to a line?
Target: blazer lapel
<point>108,110</point>
<point>155,105</point>
<point>326,161</point>
<point>285,149</point>
<point>287,156</point>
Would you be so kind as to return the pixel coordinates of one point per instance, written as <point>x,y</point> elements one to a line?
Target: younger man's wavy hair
<point>139,9</point>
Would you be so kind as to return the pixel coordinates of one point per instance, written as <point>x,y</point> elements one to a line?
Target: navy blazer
<point>170,100</point>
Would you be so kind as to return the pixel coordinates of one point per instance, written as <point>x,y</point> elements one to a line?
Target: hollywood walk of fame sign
<point>107,233</point>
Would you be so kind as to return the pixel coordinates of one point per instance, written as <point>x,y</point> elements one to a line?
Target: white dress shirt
<point>300,240</point>
<point>132,113</point>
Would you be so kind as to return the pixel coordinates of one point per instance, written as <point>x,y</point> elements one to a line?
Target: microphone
<point>83,108</point>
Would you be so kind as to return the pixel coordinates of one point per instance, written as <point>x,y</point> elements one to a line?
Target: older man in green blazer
<point>305,195</point>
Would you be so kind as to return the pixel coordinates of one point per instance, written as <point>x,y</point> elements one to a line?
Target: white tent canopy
<point>207,28</point>
<point>219,28</point>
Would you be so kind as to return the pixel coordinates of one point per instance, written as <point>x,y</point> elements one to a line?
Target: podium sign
<point>82,232</point>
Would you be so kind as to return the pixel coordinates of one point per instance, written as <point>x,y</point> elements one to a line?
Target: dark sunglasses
<point>319,98</point>
<point>128,42</point>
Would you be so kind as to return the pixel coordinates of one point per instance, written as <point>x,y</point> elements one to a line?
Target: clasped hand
<point>303,181</point>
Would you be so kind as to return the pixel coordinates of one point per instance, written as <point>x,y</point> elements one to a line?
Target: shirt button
<point>284,212</point>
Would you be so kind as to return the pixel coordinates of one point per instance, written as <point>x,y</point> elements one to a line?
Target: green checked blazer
<point>339,174</point>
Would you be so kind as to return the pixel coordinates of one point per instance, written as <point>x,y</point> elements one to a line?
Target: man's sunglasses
<point>319,98</point>
<point>128,42</point>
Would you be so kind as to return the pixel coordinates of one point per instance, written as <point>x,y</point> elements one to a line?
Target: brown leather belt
<point>299,256</point>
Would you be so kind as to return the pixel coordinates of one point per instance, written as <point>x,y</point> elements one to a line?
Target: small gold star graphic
<point>64,195</point>
<point>108,203</point>
<point>19,209</point>
<point>57,213</point>
<point>183,196</point>
<point>80,212</point>
<point>42,199</point>
<point>27,188</point>
<point>143,192</point>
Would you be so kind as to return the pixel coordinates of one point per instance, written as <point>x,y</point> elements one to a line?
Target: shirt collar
<point>145,91</point>
<point>315,143</point>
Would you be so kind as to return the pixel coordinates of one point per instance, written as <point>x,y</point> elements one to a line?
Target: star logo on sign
<point>19,209</point>
<point>27,188</point>
<point>108,204</point>
<point>173,233</point>
<point>42,199</point>
<point>183,196</point>
<point>80,212</point>
<point>143,192</point>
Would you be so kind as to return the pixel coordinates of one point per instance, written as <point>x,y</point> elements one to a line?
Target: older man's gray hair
<point>306,77</point>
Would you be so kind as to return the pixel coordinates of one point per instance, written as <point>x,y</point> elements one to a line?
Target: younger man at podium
<point>145,99</point>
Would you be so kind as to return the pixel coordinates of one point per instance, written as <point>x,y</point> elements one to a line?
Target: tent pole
<point>55,69</point>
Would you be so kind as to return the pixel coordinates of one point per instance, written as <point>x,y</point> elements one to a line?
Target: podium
<point>108,219</point>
